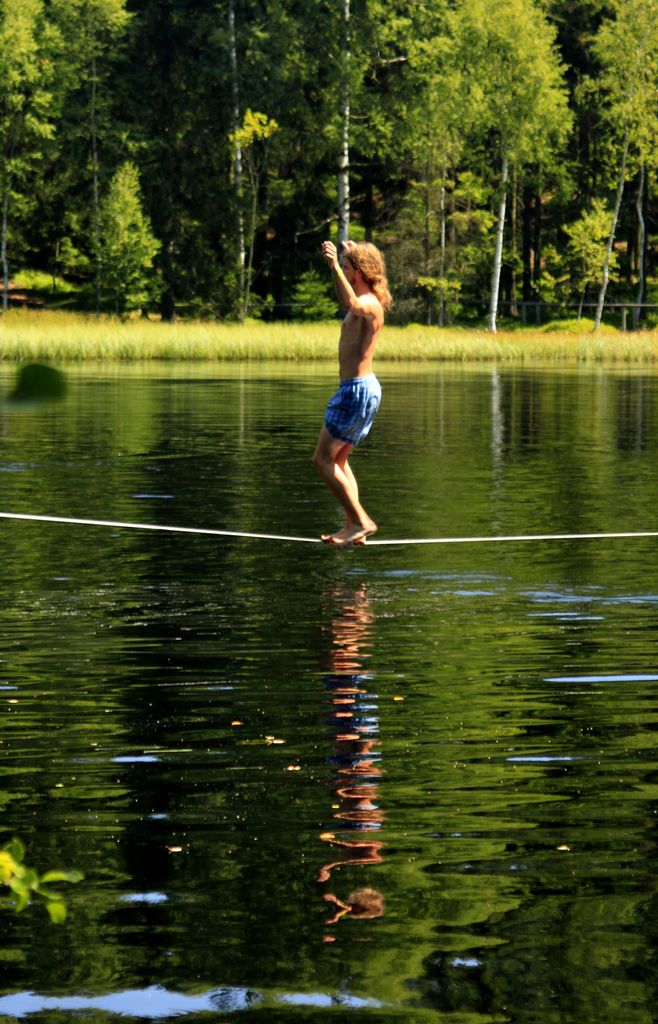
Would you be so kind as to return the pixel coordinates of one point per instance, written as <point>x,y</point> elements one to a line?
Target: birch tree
<point>236,120</point>
<point>514,94</point>
<point>642,247</point>
<point>344,157</point>
<point>587,241</point>
<point>251,139</point>
<point>627,48</point>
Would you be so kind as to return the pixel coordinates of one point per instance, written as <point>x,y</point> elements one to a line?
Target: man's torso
<point>357,345</point>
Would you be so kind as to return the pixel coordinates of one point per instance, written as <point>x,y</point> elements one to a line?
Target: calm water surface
<point>391,784</point>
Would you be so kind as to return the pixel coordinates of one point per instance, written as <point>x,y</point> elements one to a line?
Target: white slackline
<point>513,539</point>
<point>316,540</point>
<point>152,526</point>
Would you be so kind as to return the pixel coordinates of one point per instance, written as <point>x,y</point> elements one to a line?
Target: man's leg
<point>330,459</point>
<point>342,461</point>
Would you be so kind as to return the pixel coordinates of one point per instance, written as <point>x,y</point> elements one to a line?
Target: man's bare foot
<point>353,534</point>
<point>365,532</point>
<point>336,539</point>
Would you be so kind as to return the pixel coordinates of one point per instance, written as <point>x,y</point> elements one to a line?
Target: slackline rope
<point>156,526</point>
<point>316,540</point>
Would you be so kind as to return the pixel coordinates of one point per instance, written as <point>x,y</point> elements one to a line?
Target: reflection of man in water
<point>362,903</point>
<point>354,724</point>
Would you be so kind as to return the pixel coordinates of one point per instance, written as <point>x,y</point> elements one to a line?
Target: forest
<point>187,158</point>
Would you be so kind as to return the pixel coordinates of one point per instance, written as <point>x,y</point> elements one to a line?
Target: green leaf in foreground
<point>25,882</point>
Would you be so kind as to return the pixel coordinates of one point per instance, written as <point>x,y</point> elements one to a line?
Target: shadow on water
<point>35,384</point>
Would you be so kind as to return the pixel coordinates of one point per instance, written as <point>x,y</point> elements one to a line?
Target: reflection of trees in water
<point>353,724</point>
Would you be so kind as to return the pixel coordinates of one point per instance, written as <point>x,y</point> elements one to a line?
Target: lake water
<point>393,784</point>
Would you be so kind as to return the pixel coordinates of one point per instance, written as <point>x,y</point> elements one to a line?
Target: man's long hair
<point>367,258</point>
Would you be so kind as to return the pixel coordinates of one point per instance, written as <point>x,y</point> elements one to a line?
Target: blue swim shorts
<point>351,411</point>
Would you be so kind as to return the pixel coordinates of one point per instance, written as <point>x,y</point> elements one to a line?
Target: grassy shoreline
<point>69,337</point>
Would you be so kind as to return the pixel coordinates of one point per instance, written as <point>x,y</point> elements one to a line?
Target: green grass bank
<point>69,337</point>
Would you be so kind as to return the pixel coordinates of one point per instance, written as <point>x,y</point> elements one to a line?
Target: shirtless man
<point>362,290</point>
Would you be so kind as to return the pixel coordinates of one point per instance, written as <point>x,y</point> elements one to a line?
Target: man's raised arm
<point>345,294</point>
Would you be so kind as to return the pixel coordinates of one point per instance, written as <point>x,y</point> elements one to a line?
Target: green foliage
<point>25,883</point>
<point>127,245</point>
<point>24,76</point>
<point>26,104</point>
<point>40,281</point>
<point>588,237</point>
<point>256,127</point>
<point>553,283</point>
<point>250,142</point>
<point>89,133</point>
<point>514,86</point>
<point>313,298</point>
<point>71,258</point>
<point>443,96</point>
<point>578,327</point>
<point>627,49</point>
<point>441,290</point>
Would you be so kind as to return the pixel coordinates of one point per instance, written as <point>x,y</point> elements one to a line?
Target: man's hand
<point>330,254</point>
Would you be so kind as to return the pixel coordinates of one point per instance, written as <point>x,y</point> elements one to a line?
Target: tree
<point>514,92</point>
<point>586,247</point>
<point>313,298</point>
<point>436,145</point>
<point>25,107</point>
<point>446,116</point>
<point>576,23</point>
<point>251,141</point>
<point>93,29</point>
<point>627,48</point>
<point>344,157</point>
<point>90,136</point>
<point>237,149</point>
<point>127,246</point>
<point>642,246</point>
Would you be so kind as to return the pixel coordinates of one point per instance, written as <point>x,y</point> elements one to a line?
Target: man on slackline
<point>362,291</point>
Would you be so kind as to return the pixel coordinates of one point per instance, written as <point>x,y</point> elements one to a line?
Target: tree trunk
<point>642,246</point>
<point>95,188</point>
<point>536,243</point>
<point>237,156</point>
<point>344,158</point>
<point>452,231</point>
<point>255,184</point>
<point>5,223</point>
<point>168,306</point>
<point>168,297</point>
<point>442,246</point>
<point>3,248</point>
<point>514,309</point>
<point>526,231</point>
<point>613,229</point>
<point>368,210</point>
<point>426,244</point>
<point>498,259</point>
